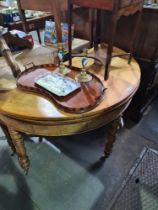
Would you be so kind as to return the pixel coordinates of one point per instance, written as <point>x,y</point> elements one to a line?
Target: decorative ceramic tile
<point>57,83</point>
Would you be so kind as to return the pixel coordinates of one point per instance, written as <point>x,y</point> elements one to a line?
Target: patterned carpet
<point>140,190</point>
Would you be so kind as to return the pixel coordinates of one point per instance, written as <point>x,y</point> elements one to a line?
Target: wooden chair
<point>52,6</point>
<point>117,8</point>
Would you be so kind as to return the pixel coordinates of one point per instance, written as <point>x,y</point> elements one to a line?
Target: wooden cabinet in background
<point>146,54</point>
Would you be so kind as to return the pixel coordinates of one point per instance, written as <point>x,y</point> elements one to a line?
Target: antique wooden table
<point>25,112</point>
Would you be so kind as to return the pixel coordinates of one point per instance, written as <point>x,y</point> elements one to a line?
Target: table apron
<point>68,127</point>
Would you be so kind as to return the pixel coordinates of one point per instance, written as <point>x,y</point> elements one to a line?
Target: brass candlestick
<point>62,68</point>
<point>84,76</point>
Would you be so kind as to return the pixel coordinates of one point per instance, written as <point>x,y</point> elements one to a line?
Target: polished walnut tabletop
<point>22,111</point>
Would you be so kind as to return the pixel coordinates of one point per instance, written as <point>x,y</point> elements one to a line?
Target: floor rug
<point>139,191</point>
<point>54,182</point>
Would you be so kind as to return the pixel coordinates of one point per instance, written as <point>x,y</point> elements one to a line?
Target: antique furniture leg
<point>97,33</point>
<point>113,24</point>
<point>39,37</point>
<point>9,139</point>
<point>18,142</point>
<point>134,38</point>
<point>57,19</point>
<point>91,25</point>
<point>111,135</point>
<point>70,8</point>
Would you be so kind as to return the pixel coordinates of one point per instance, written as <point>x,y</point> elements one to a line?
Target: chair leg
<point>57,20</point>
<point>39,37</point>
<point>70,8</point>
<point>135,37</point>
<point>97,33</point>
<point>114,20</point>
<point>91,25</point>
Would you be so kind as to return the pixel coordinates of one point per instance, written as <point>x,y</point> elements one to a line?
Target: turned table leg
<point>111,135</point>
<point>18,143</point>
<point>9,139</point>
